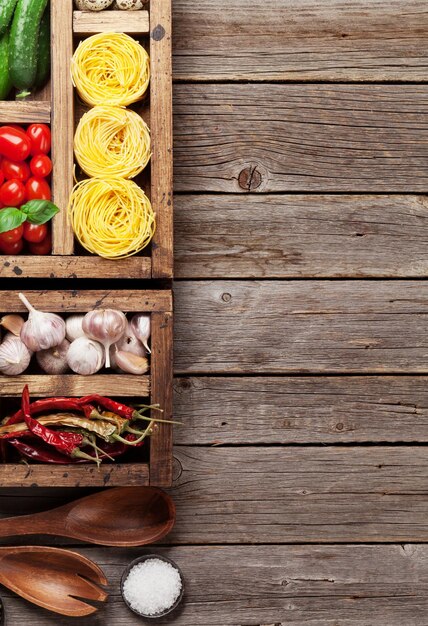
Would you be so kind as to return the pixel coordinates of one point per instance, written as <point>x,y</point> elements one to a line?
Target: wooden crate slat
<point>85,300</point>
<point>73,385</point>
<point>73,267</point>
<point>18,475</point>
<point>62,122</point>
<point>25,112</point>
<point>131,22</point>
<point>161,134</point>
<point>162,370</point>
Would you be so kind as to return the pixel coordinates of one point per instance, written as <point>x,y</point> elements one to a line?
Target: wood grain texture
<point>305,40</point>
<point>74,267</point>
<point>301,326</point>
<point>318,138</point>
<point>26,112</point>
<point>162,371</point>
<point>131,22</point>
<point>121,385</point>
<point>304,494</point>
<point>85,300</point>
<point>279,236</point>
<point>45,475</point>
<point>283,410</point>
<point>161,136</point>
<point>311,585</point>
<point>62,122</point>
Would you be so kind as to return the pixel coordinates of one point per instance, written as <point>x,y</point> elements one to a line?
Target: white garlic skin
<point>42,330</point>
<point>54,360</point>
<point>140,325</point>
<point>131,343</point>
<point>93,5</point>
<point>106,326</point>
<point>73,327</point>
<point>14,356</point>
<point>85,356</point>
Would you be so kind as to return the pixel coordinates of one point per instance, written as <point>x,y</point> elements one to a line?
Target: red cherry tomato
<point>37,189</point>
<point>34,232</point>
<point>44,247</point>
<point>11,248</point>
<point>12,236</point>
<point>14,143</point>
<point>41,165</point>
<point>15,169</point>
<point>1,177</point>
<point>12,193</point>
<point>40,137</point>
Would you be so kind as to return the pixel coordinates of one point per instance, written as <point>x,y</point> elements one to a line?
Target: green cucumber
<point>5,82</point>
<point>44,51</point>
<point>24,43</point>
<point>7,8</point>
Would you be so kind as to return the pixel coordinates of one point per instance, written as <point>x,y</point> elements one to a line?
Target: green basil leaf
<point>11,218</point>
<point>39,211</point>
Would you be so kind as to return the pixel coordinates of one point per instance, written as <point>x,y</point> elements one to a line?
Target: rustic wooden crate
<point>157,386</point>
<point>56,104</point>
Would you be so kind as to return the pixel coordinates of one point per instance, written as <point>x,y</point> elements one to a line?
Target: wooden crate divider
<point>157,386</point>
<point>154,26</point>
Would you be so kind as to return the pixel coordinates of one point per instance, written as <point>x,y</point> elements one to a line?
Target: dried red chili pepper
<point>54,404</point>
<point>36,450</point>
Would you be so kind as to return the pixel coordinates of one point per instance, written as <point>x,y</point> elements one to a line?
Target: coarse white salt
<point>152,586</point>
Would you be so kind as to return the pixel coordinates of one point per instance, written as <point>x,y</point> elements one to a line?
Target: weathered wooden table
<point>301,476</point>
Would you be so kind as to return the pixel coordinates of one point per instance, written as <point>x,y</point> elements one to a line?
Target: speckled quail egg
<point>129,5</point>
<point>93,5</point>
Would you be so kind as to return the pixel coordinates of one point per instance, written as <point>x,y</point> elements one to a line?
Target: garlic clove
<point>106,326</point>
<point>85,356</point>
<point>14,356</point>
<point>131,363</point>
<point>13,323</point>
<point>131,343</point>
<point>73,327</point>
<point>140,325</point>
<point>42,330</point>
<point>54,360</point>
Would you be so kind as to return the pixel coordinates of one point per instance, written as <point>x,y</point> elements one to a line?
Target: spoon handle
<point>35,524</point>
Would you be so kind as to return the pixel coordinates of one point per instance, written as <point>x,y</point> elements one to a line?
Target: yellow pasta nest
<point>112,141</point>
<point>111,217</point>
<point>110,68</point>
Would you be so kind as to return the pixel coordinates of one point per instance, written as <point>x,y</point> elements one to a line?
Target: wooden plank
<point>161,136</point>
<point>131,22</point>
<point>84,300</point>
<point>161,371</point>
<point>301,326</point>
<point>223,236</point>
<point>74,267</point>
<point>285,410</point>
<point>307,494</point>
<point>319,138</point>
<point>46,475</point>
<point>26,112</point>
<point>121,385</point>
<point>305,40</point>
<point>266,585</point>
<point>62,122</point>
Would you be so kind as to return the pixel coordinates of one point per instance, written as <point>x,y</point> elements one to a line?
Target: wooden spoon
<point>123,516</point>
<point>53,578</point>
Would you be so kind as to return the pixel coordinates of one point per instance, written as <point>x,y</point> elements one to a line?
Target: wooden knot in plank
<point>250,178</point>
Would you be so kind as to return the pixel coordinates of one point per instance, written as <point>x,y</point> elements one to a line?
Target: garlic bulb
<point>42,330</point>
<point>106,326</point>
<point>73,327</point>
<point>85,356</point>
<point>14,356</point>
<point>131,363</point>
<point>13,323</point>
<point>130,343</point>
<point>54,360</point>
<point>140,325</point>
